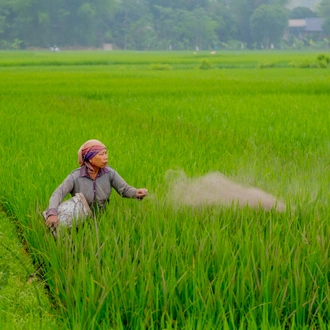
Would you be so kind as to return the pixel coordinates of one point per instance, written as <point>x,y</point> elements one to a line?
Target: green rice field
<point>159,264</point>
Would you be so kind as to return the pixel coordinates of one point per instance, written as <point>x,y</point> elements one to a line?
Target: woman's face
<point>100,160</point>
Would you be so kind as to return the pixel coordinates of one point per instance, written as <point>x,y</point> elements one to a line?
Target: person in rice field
<point>94,180</point>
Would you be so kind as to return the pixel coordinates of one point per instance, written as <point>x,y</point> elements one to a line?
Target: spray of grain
<point>215,189</point>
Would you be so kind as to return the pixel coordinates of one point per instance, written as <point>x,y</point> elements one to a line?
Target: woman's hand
<point>141,193</point>
<point>52,221</point>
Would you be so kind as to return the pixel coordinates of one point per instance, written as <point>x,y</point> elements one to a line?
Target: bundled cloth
<point>72,211</point>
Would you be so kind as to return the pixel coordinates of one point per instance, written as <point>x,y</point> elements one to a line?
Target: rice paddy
<point>158,264</point>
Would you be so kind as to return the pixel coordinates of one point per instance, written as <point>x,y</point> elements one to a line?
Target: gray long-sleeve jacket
<point>98,190</point>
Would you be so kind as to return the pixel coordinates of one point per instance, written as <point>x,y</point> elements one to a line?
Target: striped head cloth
<point>87,151</point>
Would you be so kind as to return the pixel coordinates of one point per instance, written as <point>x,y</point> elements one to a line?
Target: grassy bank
<point>187,60</point>
<point>23,304</point>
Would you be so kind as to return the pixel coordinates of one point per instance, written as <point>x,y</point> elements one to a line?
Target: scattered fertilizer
<point>216,189</point>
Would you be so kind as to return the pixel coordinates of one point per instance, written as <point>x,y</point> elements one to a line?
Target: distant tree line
<point>147,24</point>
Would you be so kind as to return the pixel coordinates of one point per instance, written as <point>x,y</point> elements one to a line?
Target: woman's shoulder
<point>108,169</point>
<point>75,173</point>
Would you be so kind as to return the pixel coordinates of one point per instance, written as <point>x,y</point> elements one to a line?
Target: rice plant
<point>158,263</point>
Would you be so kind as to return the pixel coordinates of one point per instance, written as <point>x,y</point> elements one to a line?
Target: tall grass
<point>151,265</point>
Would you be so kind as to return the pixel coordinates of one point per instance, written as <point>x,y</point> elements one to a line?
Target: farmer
<point>94,179</point>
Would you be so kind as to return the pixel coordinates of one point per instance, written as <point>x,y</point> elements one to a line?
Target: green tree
<point>197,29</point>
<point>166,27</point>
<point>84,22</point>
<point>324,10</point>
<point>188,5</point>
<point>132,25</point>
<point>302,13</point>
<point>142,33</point>
<point>268,24</point>
<point>184,29</point>
<point>14,19</point>
<point>326,26</point>
<point>48,22</point>
<point>242,11</point>
<point>226,27</point>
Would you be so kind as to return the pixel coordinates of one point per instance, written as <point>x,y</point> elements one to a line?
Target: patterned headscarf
<point>87,151</point>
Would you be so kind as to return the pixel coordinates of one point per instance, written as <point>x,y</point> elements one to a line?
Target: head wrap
<point>87,151</point>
